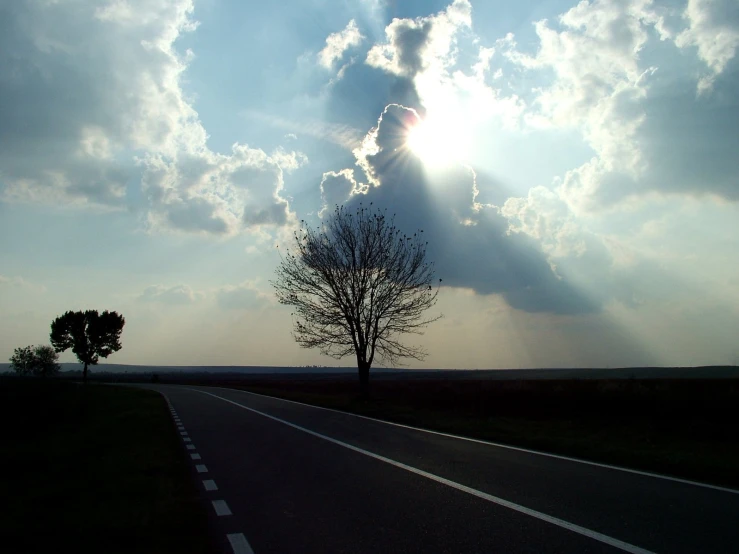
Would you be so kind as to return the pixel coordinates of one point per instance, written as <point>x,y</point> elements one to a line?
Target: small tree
<point>357,283</point>
<point>90,335</point>
<point>40,361</point>
<point>46,361</point>
<point>23,360</point>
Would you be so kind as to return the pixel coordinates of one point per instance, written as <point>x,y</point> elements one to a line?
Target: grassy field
<point>94,469</point>
<point>684,428</point>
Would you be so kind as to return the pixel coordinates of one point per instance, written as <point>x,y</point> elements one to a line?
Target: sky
<point>574,166</point>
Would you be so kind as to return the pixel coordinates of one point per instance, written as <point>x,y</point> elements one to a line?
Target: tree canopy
<point>89,334</point>
<point>357,283</point>
<point>40,361</point>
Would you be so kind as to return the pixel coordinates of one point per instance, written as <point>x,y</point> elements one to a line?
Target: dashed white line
<point>210,485</point>
<point>201,468</point>
<point>195,456</point>
<point>183,433</point>
<point>187,439</point>
<point>600,537</point>
<point>221,508</point>
<point>190,446</point>
<point>239,544</point>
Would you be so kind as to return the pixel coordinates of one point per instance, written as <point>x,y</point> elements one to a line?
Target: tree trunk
<point>364,369</point>
<point>84,374</point>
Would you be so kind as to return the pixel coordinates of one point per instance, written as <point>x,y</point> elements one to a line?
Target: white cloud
<point>98,101</point>
<point>337,187</point>
<point>21,283</point>
<point>177,294</point>
<point>340,134</point>
<point>713,28</point>
<point>245,296</point>
<point>544,216</point>
<point>338,43</point>
<point>598,87</point>
<point>416,45</point>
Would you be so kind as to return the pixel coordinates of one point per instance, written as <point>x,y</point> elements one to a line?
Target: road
<point>295,478</point>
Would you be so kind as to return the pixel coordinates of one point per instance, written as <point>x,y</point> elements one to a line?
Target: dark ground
<point>682,427</point>
<point>94,469</point>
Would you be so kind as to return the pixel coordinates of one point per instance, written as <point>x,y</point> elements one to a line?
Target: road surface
<point>285,477</point>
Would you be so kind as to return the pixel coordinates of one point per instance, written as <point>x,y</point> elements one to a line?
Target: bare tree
<point>357,283</point>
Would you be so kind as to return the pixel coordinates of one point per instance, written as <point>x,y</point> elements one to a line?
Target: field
<point>96,469</point>
<point>680,427</point>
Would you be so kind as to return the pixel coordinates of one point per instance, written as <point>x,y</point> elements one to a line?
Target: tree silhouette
<point>357,283</point>
<point>23,360</point>
<point>90,335</point>
<point>35,360</point>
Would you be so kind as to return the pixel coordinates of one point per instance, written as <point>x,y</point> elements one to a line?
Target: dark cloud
<point>690,143</point>
<point>468,242</point>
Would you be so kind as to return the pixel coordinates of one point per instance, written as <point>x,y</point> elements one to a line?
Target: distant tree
<point>357,283</point>
<point>46,361</point>
<point>40,361</point>
<point>23,360</point>
<point>90,335</point>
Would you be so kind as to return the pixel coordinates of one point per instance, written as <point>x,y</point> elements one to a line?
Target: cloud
<point>468,241</point>
<point>636,118</point>
<point>98,109</point>
<point>337,187</point>
<point>177,294</point>
<point>245,296</point>
<point>338,43</point>
<point>340,134</point>
<point>416,45</point>
<point>423,54</point>
<point>713,28</point>
<point>21,283</point>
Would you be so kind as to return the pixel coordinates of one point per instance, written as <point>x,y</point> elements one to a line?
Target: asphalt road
<point>301,479</point>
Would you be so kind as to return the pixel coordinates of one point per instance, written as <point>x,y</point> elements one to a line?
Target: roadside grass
<point>685,429</point>
<point>94,469</point>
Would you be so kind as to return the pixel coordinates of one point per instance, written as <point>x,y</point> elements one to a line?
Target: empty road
<point>286,477</point>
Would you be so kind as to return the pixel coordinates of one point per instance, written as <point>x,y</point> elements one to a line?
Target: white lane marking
<point>180,427</point>
<point>183,433</point>
<point>201,468</point>
<point>195,456</point>
<point>499,445</point>
<point>210,485</point>
<point>626,547</point>
<point>221,508</point>
<point>187,439</point>
<point>190,446</point>
<point>239,544</point>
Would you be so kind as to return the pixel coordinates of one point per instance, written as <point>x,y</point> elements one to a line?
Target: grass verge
<point>682,429</point>
<point>94,469</point>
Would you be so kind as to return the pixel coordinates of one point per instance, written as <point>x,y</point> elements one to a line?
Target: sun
<point>439,141</point>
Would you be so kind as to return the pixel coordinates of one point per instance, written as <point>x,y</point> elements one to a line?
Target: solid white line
<point>201,468</point>
<point>626,547</point>
<point>190,446</point>
<point>221,508</point>
<point>195,456</point>
<point>239,544</point>
<point>499,445</point>
<point>210,485</point>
